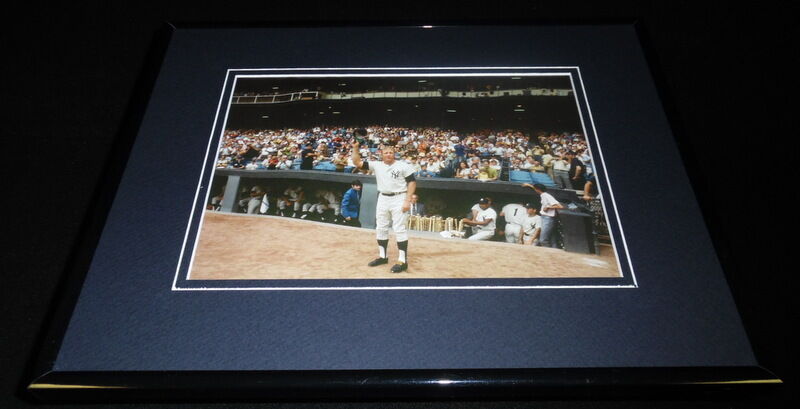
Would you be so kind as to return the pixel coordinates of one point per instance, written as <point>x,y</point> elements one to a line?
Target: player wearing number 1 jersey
<point>514,215</point>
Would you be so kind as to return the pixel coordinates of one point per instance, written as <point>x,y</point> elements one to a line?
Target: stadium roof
<point>420,83</point>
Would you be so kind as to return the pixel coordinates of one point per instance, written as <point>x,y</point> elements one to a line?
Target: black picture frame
<point>49,382</point>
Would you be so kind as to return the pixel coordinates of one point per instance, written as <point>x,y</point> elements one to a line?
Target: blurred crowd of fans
<point>557,159</point>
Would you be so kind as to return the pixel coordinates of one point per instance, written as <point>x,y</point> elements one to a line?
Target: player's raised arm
<point>355,155</point>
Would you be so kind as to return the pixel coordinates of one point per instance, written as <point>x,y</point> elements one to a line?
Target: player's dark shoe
<point>378,261</point>
<point>399,267</point>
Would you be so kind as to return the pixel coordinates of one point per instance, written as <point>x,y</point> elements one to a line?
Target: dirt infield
<point>266,247</point>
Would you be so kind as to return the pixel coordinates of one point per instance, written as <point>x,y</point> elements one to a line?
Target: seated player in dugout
<point>294,196</point>
<point>325,200</point>
<point>396,184</point>
<point>483,223</point>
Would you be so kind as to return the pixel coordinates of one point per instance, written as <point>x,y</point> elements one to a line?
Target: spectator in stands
<point>488,173</point>
<point>577,171</point>
<point>307,156</point>
<point>474,171</point>
<point>434,165</point>
<point>547,162</point>
<point>495,164</point>
<point>265,151</point>
<point>549,205</point>
<point>237,162</point>
<point>536,166</point>
<point>424,172</point>
<point>474,160</point>
<point>561,172</point>
<point>446,169</point>
<point>273,162</point>
<point>528,164</point>
<point>463,171</point>
<point>285,163</point>
<point>340,162</point>
<point>431,146</point>
<point>587,161</point>
<point>590,188</point>
<point>250,152</point>
<point>414,164</point>
<point>351,204</point>
<point>460,151</point>
<point>472,151</point>
<point>322,149</point>
<point>483,224</point>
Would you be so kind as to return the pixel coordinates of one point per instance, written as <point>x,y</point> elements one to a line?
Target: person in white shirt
<point>477,207</point>
<point>547,162</point>
<point>561,172</point>
<point>256,202</point>
<point>463,171</point>
<point>514,215</point>
<point>435,166</point>
<point>325,200</point>
<point>531,226</point>
<point>396,185</point>
<point>547,214</point>
<point>293,196</point>
<point>587,160</point>
<point>285,163</point>
<point>483,223</point>
<point>495,164</point>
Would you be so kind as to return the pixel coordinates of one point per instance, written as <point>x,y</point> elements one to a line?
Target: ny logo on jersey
<point>395,174</point>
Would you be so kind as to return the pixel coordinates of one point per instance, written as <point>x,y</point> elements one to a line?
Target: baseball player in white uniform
<point>531,226</point>
<point>483,224</point>
<point>294,196</point>
<point>547,214</point>
<point>396,184</point>
<point>325,200</point>
<point>514,215</point>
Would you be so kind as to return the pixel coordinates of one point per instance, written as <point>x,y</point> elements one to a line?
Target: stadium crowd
<point>484,155</point>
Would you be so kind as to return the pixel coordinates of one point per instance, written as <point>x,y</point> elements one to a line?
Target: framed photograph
<point>508,136</point>
<point>426,211</point>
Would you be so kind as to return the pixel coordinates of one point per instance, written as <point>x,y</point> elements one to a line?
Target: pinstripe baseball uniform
<point>392,186</point>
